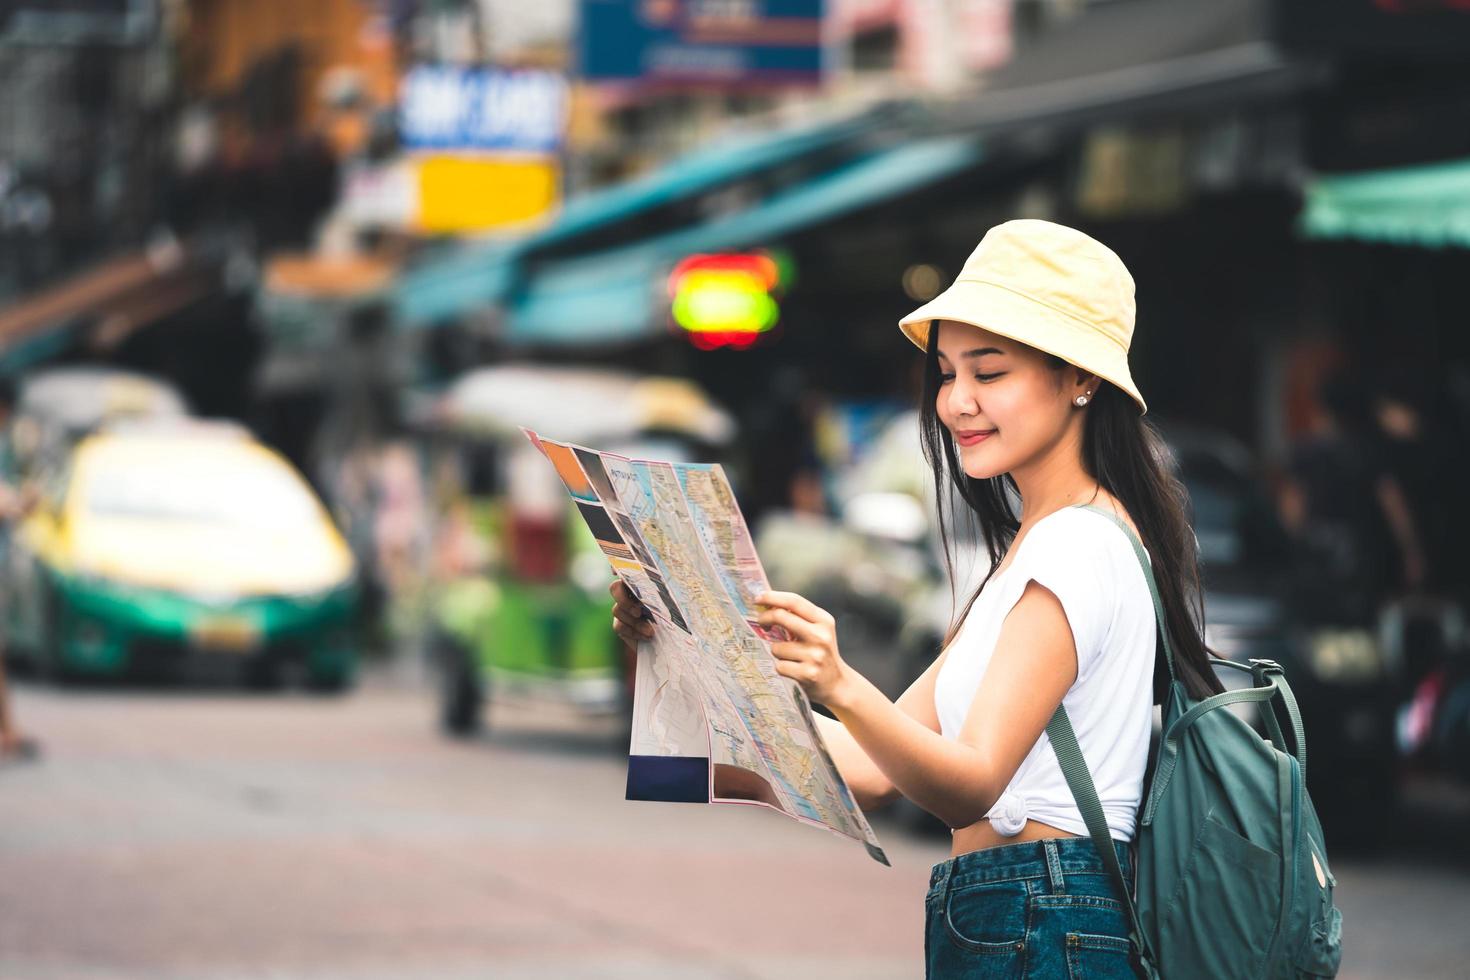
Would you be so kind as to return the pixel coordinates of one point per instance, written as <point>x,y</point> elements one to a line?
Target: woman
<point>1028,397</point>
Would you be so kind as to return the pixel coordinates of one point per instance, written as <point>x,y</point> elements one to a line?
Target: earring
<point>1081,400</point>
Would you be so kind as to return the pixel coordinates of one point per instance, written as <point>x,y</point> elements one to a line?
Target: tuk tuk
<point>519,588</point>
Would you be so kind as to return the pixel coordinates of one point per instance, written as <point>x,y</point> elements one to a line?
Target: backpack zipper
<point>1291,870</point>
<point>1296,836</point>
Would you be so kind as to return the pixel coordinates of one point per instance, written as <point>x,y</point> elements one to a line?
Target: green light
<point>723,302</point>
<point>785,267</point>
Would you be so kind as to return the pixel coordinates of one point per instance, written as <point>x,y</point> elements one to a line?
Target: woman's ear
<point>1086,383</point>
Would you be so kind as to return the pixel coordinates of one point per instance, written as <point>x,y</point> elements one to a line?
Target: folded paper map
<point>713,722</point>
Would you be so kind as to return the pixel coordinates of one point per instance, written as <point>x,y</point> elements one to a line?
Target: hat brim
<point>1011,314</point>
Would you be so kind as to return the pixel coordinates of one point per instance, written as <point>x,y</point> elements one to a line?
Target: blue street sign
<point>447,108</point>
<point>702,42</point>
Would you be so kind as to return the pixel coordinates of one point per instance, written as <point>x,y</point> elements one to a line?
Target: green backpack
<point>1232,872</point>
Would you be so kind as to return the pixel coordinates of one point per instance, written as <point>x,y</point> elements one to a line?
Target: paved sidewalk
<point>214,836</point>
<point>206,836</point>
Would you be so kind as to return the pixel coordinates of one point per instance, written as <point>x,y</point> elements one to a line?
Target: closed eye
<point>945,379</point>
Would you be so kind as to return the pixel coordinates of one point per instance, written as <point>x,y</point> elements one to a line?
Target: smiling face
<point>1006,404</point>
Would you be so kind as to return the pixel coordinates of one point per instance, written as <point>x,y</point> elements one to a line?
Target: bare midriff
<point>979,836</point>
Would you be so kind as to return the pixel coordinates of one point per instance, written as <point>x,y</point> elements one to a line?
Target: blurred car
<point>57,407</point>
<point>520,600</point>
<point>1265,600</point>
<point>155,545</point>
<point>879,571</point>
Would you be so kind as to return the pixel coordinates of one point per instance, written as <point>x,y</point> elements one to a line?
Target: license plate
<point>233,633</point>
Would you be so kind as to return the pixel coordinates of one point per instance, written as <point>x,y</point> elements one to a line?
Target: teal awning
<point>461,278</point>
<point>1426,205</point>
<point>867,182</point>
<point>446,286</point>
<point>618,295</point>
<point>600,299</point>
<point>692,173</point>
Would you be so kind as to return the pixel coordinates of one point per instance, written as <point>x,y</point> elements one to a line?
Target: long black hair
<point>1126,456</point>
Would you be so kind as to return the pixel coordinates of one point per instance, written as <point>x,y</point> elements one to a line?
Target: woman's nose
<point>961,399</point>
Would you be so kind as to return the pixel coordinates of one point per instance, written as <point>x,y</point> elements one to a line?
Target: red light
<point>713,340</point>
<point>760,268</point>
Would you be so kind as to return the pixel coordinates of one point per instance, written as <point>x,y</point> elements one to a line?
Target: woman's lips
<point>972,438</point>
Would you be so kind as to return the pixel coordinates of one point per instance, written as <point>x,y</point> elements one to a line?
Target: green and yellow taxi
<point>158,546</point>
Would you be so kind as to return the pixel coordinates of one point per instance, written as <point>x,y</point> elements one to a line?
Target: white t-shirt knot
<point>1008,816</point>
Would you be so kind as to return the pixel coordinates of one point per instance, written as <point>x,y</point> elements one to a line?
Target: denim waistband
<point>1053,859</point>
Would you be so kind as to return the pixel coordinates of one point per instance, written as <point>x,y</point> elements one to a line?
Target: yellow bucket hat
<point>1048,286</point>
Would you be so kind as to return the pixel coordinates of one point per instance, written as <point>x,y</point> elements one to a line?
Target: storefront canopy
<point>1426,206</point>
<point>461,278</point>
<point>101,305</point>
<point>617,295</point>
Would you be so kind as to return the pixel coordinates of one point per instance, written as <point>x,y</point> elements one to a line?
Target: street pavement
<point>204,835</point>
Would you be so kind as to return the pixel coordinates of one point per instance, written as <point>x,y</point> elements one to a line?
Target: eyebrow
<point>977,352</point>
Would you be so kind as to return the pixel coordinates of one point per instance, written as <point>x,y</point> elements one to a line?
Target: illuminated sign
<point>445,108</point>
<point>726,300</point>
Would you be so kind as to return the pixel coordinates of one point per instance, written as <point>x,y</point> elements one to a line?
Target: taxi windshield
<point>232,493</point>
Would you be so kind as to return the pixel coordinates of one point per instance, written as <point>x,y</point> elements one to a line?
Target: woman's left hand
<point>810,657</point>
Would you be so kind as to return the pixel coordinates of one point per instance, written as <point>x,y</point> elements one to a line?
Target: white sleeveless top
<point>1089,564</point>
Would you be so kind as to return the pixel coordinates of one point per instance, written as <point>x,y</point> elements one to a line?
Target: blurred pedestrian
<point>14,744</point>
<point>1027,397</point>
<point>1422,461</point>
<point>14,502</point>
<point>785,469</point>
<point>1344,506</point>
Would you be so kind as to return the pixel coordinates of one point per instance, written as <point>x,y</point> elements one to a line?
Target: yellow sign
<point>477,193</point>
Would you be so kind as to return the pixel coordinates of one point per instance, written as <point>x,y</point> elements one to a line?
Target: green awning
<point>1427,206</point>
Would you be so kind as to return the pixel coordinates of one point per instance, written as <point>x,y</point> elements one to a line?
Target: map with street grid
<point>713,721</point>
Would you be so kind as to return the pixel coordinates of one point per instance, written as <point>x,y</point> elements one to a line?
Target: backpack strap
<point>1153,587</point>
<point>1261,670</point>
<point>1272,685</point>
<point>1269,684</point>
<point>1079,779</point>
<point>1074,768</point>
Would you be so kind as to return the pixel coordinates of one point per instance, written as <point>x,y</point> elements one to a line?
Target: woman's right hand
<point>631,619</point>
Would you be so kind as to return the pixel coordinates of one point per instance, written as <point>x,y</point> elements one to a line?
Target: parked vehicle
<point>519,587</point>
<point>156,546</point>
<point>57,407</point>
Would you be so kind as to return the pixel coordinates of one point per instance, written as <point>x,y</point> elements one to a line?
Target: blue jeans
<point>1044,909</point>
